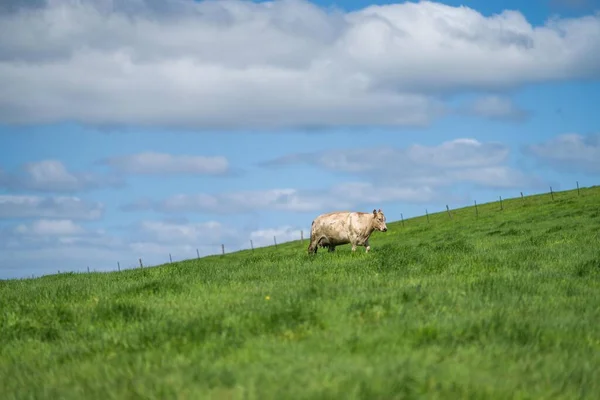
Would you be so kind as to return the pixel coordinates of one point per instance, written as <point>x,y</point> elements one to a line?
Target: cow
<point>343,227</point>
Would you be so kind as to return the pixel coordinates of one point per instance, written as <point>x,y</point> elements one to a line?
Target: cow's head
<point>379,220</point>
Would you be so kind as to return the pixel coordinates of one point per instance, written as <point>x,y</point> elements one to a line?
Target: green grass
<point>501,306</point>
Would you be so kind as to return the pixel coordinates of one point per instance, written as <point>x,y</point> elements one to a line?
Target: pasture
<point>504,305</point>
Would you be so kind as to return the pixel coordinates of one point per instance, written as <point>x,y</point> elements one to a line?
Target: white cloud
<point>367,193</point>
<point>496,107</point>
<point>457,153</point>
<point>493,177</point>
<point>240,64</point>
<point>420,170</point>
<point>569,152</point>
<point>50,171</point>
<point>48,227</point>
<point>13,206</point>
<point>161,163</point>
<point>283,199</point>
<point>225,203</point>
<point>187,233</point>
<point>53,176</point>
<point>343,196</point>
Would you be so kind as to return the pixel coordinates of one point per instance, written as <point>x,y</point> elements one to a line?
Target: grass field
<point>505,305</point>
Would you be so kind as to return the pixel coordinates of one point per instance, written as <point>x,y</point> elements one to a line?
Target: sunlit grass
<point>501,305</point>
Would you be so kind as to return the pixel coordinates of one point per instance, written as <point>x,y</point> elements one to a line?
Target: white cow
<point>343,227</point>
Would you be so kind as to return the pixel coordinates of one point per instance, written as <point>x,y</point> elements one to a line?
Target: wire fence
<point>301,236</point>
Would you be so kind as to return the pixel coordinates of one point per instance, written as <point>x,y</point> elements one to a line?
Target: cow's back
<point>333,226</point>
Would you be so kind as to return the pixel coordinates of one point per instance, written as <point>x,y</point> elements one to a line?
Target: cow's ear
<point>379,210</point>
<point>374,212</point>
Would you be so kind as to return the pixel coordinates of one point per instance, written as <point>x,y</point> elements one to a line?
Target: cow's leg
<point>321,242</point>
<point>367,246</point>
<point>353,247</point>
<point>331,248</point>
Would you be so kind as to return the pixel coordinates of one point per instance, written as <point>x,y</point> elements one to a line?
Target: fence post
<point>301,236</point>
<point>522,199</point>
<point>501,206</point>
<point>476,210</point>
<point>402,218</point>
<point>251,245</point>
<point>223,249</point>
<point>275,241</point>
<point>198,254</point>
<point>170,258</point>
<point>448,209</point>
<point>426,213</point>
<point>119,266</point>
<point>551,193</point>
<point>88,269</point>
<point>577,188</point>
<point>141,265</point>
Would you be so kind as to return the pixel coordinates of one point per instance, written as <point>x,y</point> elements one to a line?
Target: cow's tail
<point>312,228</point>
<point>311,246</point>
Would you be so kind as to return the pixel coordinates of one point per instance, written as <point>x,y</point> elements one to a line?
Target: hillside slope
<point>503,304</point>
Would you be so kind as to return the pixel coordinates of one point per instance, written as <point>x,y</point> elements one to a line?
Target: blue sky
<point>185,130</point>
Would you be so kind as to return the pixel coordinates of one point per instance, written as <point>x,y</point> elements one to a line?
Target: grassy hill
<point>503,305</point>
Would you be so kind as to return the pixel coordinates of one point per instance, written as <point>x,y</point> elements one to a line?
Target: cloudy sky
<point>139,128</point>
